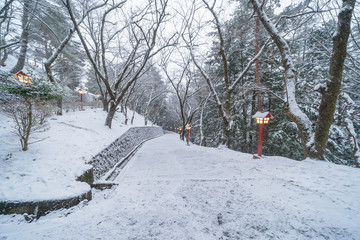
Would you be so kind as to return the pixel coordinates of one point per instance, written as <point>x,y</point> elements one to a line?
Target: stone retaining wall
<point>101,163</point>
<point>122,146</point>
<point>40,208</point>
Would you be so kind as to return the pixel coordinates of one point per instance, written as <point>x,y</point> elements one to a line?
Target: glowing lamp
<point>24,78</point>
<point>81,98</point>
<point>262,118</point>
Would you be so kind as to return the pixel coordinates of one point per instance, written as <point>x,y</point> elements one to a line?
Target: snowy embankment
<point>172,191</point>
<point>48,170</point>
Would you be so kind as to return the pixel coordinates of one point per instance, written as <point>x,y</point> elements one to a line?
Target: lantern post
<point>262,118</point>
<point>188,128</point>
<point>81,92</point>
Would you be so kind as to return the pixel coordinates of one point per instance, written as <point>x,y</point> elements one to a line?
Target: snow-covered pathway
<point>173,191</point>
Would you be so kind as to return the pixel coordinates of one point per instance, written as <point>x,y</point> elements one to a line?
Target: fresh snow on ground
<point>172,191</point>
<point>48,170</point>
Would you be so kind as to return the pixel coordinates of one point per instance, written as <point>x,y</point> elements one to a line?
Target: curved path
<point>172,191</point>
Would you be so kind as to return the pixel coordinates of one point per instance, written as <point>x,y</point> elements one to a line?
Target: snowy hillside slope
<point>172,191</point>
<point>49,168</point>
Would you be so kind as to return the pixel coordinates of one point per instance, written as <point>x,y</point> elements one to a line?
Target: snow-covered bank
<point>49,168</point>
<point>172,191</point>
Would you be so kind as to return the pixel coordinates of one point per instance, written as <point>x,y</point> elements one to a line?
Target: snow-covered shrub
<point>29,106</point>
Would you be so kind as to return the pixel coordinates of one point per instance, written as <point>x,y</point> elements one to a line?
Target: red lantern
<point>24,78</point>
<point>261,119</point>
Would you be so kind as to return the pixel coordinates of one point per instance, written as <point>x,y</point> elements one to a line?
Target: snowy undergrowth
<point>49,168</point>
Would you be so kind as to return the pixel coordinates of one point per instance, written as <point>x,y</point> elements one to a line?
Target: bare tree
<point>183,85</point>
<point>29,118</point>
<point>314,141</point>
<point>224,106</point>
<point>142,30</point>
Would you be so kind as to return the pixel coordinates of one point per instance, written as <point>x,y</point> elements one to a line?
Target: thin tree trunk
<point>59,106</point>
<point>251,122</point>
<point>202,138</point>
<point>245,147</point>
<point>28,126</point>
<point>148,106</point>
<point>24,38</point>
<point>348,120</point>
<point>133,115</point>
<point>3,59</point>
<point>257,65</point>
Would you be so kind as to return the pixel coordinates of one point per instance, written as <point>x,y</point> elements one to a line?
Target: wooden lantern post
<point>81,92</point>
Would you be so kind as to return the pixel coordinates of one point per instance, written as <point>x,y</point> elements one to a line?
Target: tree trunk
<point>126,116</point>
<point>226,134</point>
<point>348,120</point>
<point>251,122</point>
<point>134,111</point>
<point>110,114</point>
<point>105,102</point>
<point>3,59</point>
<point>333,84</point>
<point>28,126</point>
<point>59,106</point>
<point>148,106</point>
<point>183,132</point>
<point>257,65</point>
<point>24,38</point>
<point>201,126</point>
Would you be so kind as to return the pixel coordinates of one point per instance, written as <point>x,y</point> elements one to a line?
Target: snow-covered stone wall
<point>121,147</point>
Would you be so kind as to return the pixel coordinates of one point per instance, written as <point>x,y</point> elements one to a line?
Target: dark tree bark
<point>110,114</point>
<point>257,65</point>
<point>333,84</point>
<point>24,38</point>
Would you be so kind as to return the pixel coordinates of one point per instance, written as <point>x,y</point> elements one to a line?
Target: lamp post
<point>262,118</point>
<point>24,78</point>
<point>188,128</point>
<point>81,97</point>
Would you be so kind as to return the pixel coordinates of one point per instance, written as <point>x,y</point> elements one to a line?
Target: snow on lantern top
<point>262,117</point>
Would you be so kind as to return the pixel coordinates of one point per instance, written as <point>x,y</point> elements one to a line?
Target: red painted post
<point>260,139</point>
<point>81,98</point>
<point>188,136</point>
